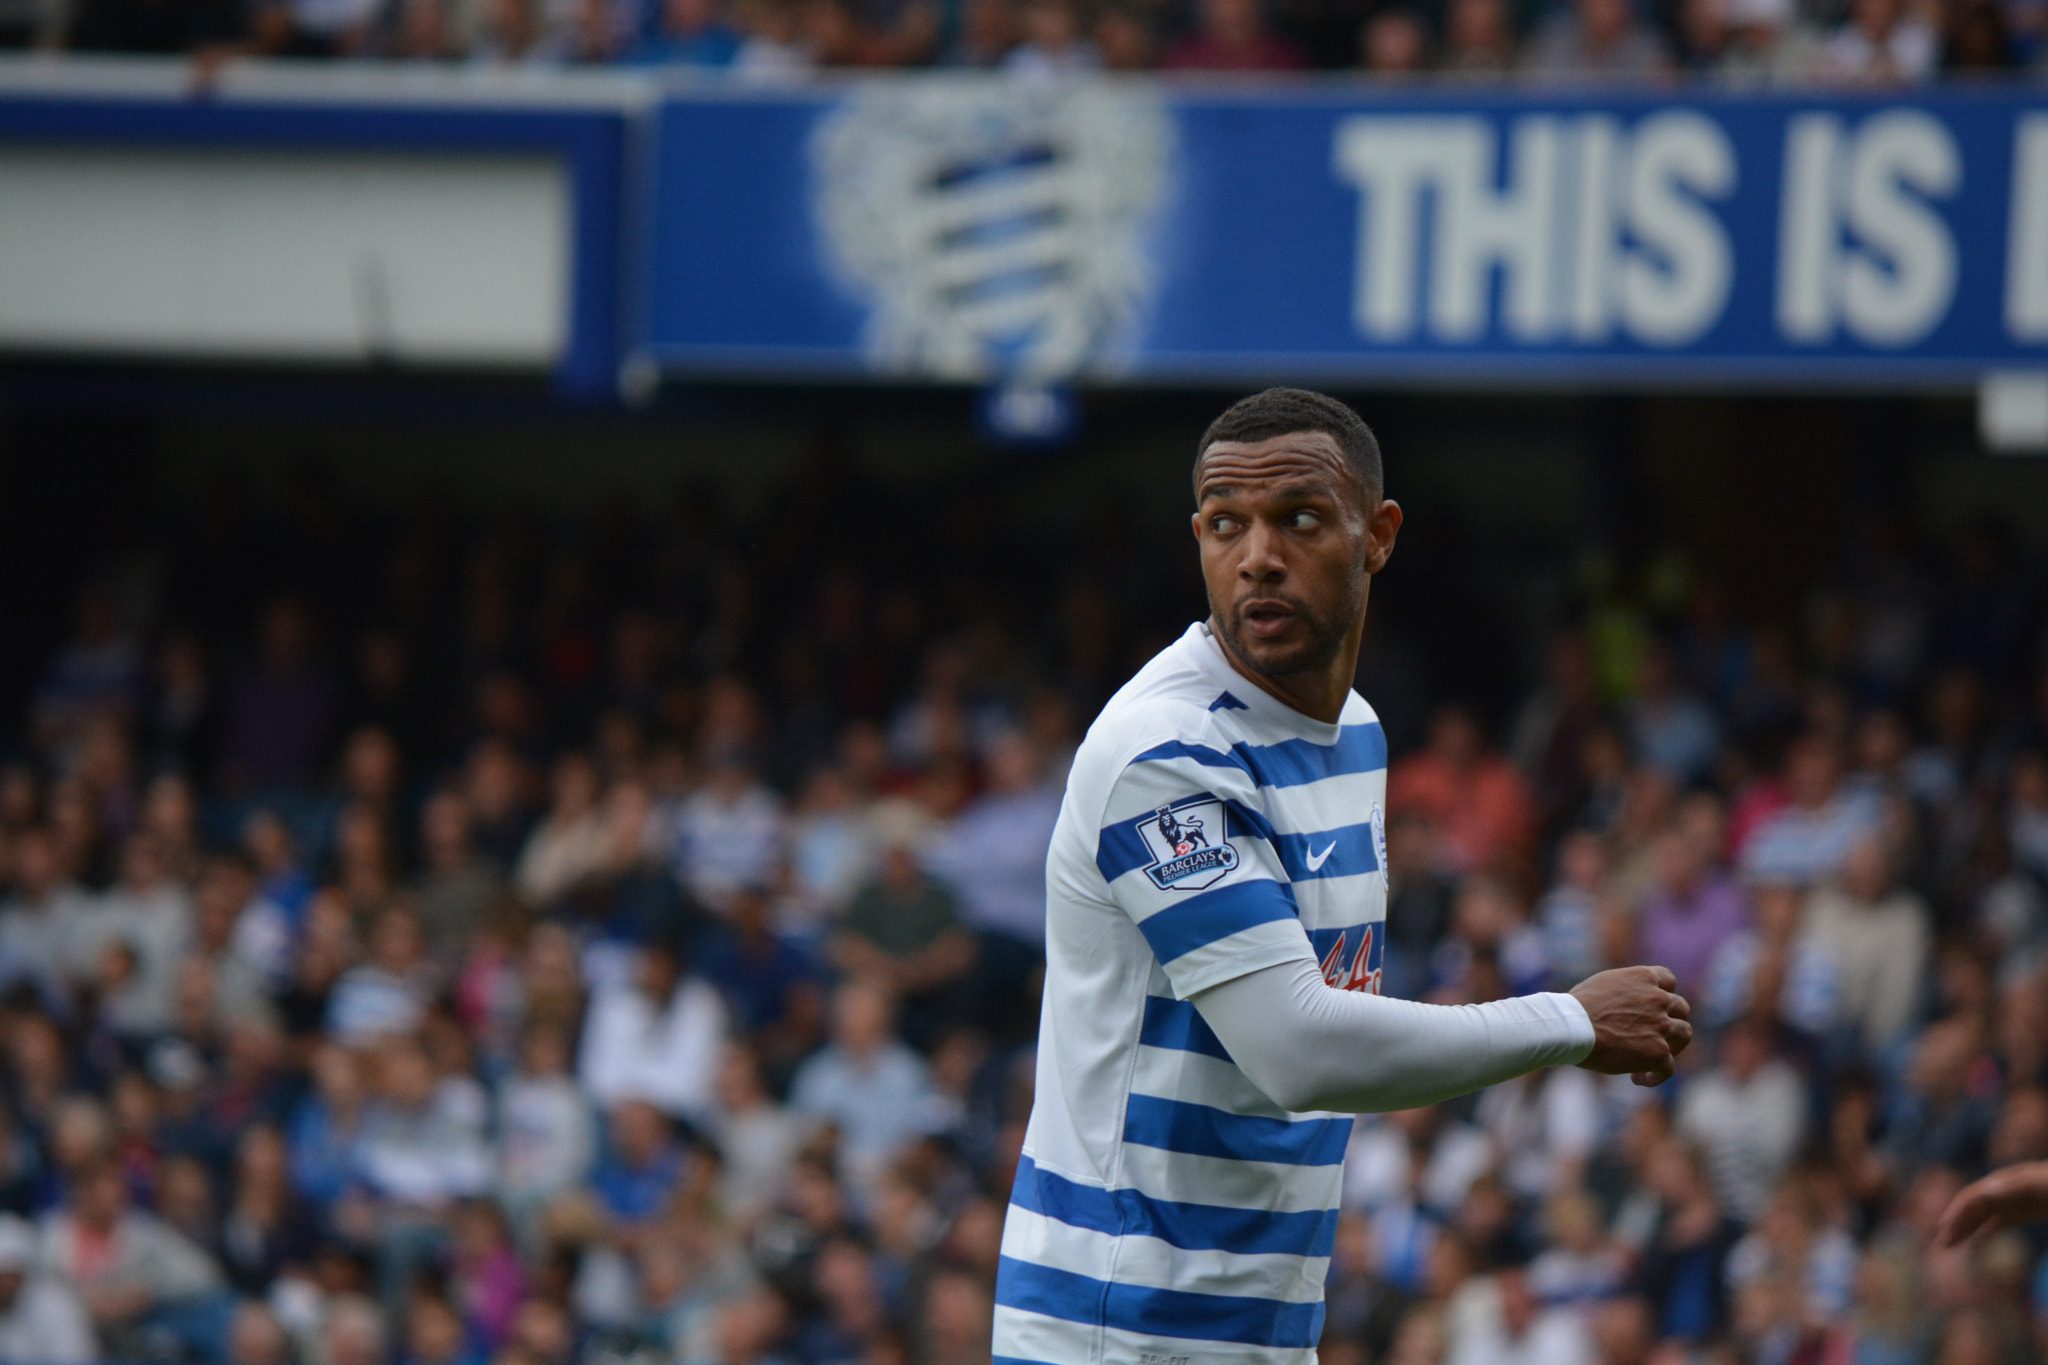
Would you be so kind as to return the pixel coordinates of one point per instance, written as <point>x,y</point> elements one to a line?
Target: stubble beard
<point>1326,639</point>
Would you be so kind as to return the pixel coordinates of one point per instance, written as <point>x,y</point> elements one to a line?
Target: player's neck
<point>1319,693</point>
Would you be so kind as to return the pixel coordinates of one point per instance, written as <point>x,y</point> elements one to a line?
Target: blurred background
<point>554,555</point>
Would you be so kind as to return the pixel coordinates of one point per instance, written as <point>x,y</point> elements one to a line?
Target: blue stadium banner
<point>980,229</point>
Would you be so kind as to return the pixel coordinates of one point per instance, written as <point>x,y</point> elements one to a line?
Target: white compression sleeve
<point>1309,1046</point>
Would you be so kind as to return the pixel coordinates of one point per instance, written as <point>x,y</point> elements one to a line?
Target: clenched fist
<point>1639,1022</point>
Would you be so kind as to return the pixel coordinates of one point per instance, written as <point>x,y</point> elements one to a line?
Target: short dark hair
<point>1278,412</point>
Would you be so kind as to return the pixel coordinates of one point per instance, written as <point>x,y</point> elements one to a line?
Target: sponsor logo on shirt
<point>1362,976</point>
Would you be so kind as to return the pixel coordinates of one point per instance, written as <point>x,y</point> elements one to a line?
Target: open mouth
<point>1265,619</point>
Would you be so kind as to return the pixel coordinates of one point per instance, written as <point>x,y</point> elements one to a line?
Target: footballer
<point>1216,890</point>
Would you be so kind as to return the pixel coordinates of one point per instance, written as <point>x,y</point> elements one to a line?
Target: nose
<point>1262,562</point>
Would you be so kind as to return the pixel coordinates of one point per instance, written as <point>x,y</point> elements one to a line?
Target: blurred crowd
<point>1740,44</point>
<point>488,942</point>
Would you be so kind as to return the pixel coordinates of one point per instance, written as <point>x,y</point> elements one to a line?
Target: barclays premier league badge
<point>1190,845</point>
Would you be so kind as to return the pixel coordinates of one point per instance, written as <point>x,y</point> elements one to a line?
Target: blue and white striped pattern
<point>1165,1208</point>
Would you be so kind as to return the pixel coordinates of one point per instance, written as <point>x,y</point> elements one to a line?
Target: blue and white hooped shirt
<point>1165,1211</point>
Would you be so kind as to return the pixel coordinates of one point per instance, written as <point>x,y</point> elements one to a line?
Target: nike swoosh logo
<point>1316,860</point>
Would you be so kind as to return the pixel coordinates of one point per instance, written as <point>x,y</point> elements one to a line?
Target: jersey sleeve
<point>1190,858</point>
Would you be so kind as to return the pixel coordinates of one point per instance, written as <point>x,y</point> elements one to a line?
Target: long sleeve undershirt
<point>1309,1046</point>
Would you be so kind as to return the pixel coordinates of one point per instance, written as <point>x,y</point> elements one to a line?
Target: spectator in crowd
<point>1975,39</point>
<point>570,844</point>
<point>642,1169</point>
<point>1685,1251</point>
<point>145,919</point>
<point>1545,1127</point>
<point>279,705</point>
<point>1504,1321</point>
<point>283,878</point>
<point>1807,840</point>
<point>268,1227</point>
<point>135,1274</point>
<point>1054,44</point>
<point>691,33</point>
<point>1595,40</point>
<point>241,939</point>
<point>42,1321</point>
<point>1492,949</point>
<point>654,1035</point>
<point>777,43</point>
<point>387,994</point>
<point>990,853</point>
<point>1479,45</point>
<point>1419,899</point>
<point>1232,36</point>
<point>326,1125</point>
<point>757,1138</point>
<point>903,930</point>
<point>94,676</point>
<point>1881,43</point>
<point>1752,44</point>
<point>1694,908</point>
<point>1478,803</point>
<point>773,985</point>
<point>1394,43</point>
<point>1568,916</point>
<point>547,1132</point>
<point>1775,965</point>
<point>866,1082</point>
<point>1944,1109</point>
<point>37,919</point>
<point>1747,1115</point>
<point>1673,731</point>
<point>417,1155</point>
<point>435,1334</point>
<point>2027,812</point>
<point>256,1337</point>
<point>1879,938</point>
<point>457,887</point>
<point>729,833</point>
<point>1126,36</point>
<point>352,1332</point>
<point>831,848</point>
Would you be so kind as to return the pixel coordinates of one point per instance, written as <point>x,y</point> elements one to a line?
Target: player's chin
<point>1283,658</point>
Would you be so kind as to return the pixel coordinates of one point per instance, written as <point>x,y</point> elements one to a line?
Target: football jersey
<point>1165,1211</point>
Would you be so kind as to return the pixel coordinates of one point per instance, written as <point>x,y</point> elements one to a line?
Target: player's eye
<point>1222,526</point>
<point>1304,521</point>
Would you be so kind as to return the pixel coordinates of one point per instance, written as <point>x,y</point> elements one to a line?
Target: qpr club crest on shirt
<point>1379,840</point>
<point>1190,845</point>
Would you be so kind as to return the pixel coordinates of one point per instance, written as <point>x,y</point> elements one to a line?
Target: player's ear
<point>1195,524</point>
<point>1382,524</point>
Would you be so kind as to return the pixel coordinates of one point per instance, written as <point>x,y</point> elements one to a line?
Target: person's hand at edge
<point>1640,1022</point>
<point>2016,1194</point>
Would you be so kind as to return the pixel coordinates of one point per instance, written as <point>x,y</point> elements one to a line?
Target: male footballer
<point>1216,890</point>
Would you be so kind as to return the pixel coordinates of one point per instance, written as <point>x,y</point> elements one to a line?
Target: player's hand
<point>1639,1022</point>
<point>2017,1194</point>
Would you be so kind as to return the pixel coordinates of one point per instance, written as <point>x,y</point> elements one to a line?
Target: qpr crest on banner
<point>994,228</point>
<point>1190,845</point>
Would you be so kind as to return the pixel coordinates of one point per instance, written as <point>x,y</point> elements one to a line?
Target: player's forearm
<point>1308,1046</point>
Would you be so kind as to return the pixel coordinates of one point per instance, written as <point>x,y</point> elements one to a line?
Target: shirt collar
<point>1262,704</point>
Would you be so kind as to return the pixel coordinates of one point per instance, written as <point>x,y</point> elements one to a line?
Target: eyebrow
<point>1297,489</point>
